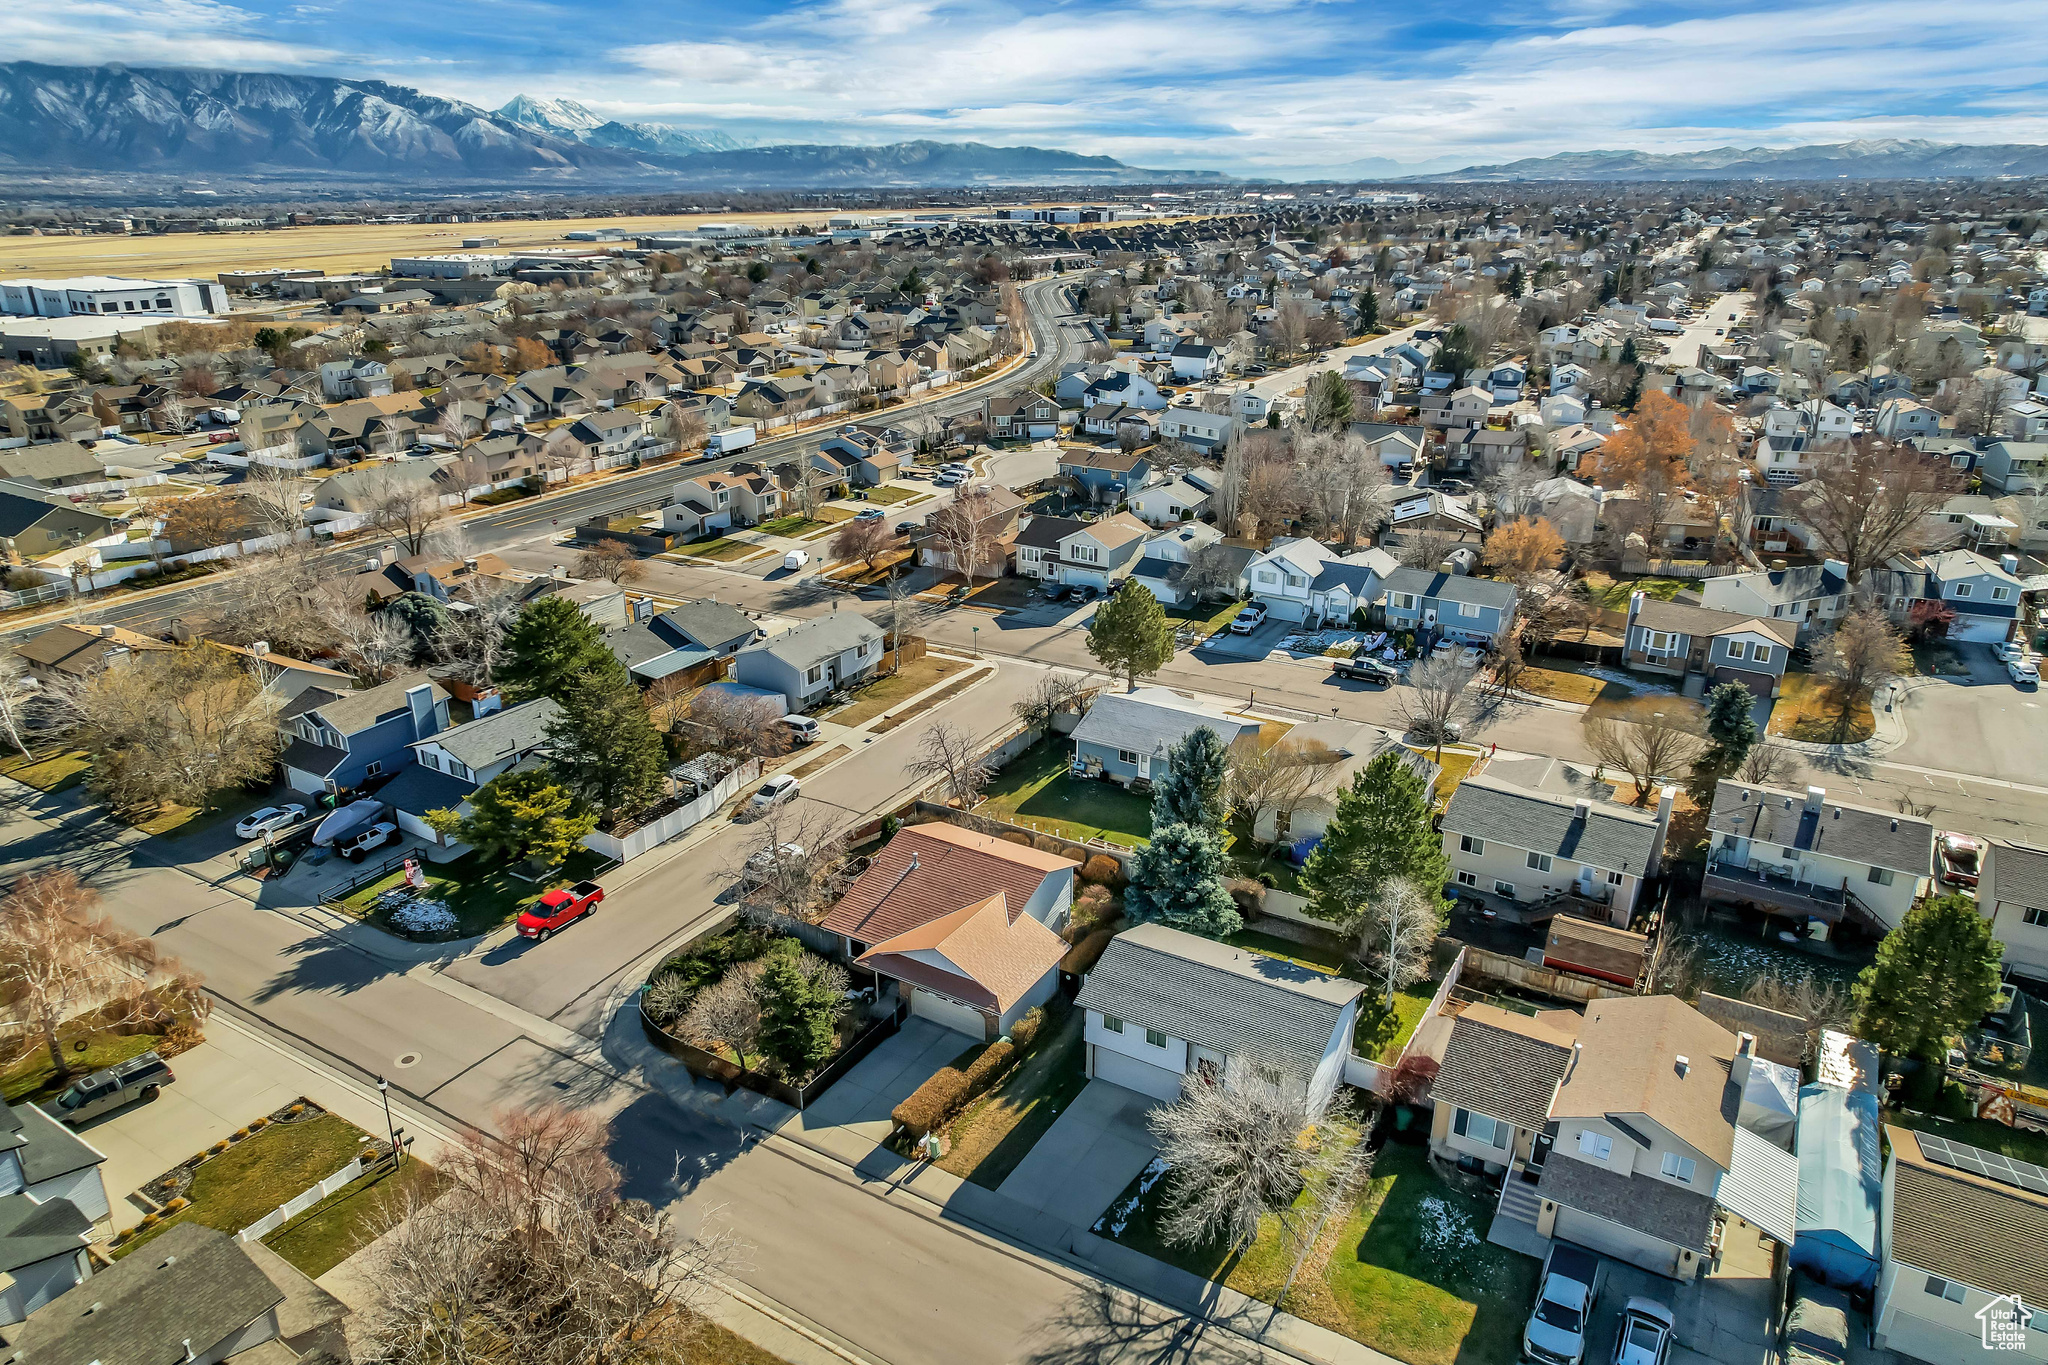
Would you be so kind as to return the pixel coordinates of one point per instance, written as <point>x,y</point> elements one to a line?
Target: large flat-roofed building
<point>459,265</point>
<point>101,295</point>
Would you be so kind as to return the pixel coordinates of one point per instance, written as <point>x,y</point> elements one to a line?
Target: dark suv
<point>138,1078</point>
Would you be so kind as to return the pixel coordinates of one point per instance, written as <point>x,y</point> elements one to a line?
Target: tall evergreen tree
<point>1191,792</point>
<point>1517,283</point>
<point>1177,879</point>
<point>1130,634</point>
<point>1381,830</point>
<point>549,647</point>
<point>797,1010</point>
<point>1731,734</point>
<point>1935,976</point>
<point>604,746</point>
<point>1369,309</point>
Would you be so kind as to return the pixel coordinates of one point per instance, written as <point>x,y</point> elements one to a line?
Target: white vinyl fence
<point>299,1203</point>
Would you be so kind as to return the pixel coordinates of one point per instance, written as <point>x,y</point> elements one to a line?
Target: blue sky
<point>1238,85</point>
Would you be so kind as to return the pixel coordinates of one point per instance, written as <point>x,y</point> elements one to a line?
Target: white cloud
<point>151,33</point>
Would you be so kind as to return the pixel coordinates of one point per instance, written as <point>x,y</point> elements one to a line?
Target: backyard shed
<point>1840,1181</point>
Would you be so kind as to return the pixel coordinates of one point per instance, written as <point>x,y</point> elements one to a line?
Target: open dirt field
<point>336,250</point>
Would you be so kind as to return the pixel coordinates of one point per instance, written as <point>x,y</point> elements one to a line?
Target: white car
<point>1248,620</point>
<point>802,729</point>
<point>949,478</point>
<point>1469,656</point>
<point>362,841</point>
<point>1645,1334</point>
<point>761,864</point>
<point>2023,672</point>
<point>1445,649</point>
<point>777,789</point>
<point>2005,651</point>
<point>270,818</point>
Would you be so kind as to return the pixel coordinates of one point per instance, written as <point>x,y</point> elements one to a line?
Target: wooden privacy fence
<point>300,1202</point>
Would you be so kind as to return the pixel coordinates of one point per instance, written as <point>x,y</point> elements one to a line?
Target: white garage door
<point>1132,1074</point>
<point>1286,608</point>
<point>1930,1341</point>
<point>949,1012</point>
<point>1985,628</point>
<point>1623,1244</point>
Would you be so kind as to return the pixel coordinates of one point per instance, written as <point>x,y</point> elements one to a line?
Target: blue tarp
<point>1840,1181</point>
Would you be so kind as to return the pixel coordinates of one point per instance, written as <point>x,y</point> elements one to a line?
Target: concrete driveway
<point>1088,1155</point>
<point>1257,645</point>
<point>861,1100</point>
<point>1723,1318</point>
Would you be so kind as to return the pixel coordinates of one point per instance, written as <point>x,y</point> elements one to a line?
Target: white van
<point>795,559</point>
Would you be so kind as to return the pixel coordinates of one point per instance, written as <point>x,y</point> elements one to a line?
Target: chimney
<point>1836,567</point>
<point>260,648</point>
<point>1635,603</point>
<point>1814,797</point>
<point>469,564</point>
<point>1745,1057</point>
<point>1666,799</point>
<point>2009,563</point>
<point>420,701</point>
<point>1582,809</point>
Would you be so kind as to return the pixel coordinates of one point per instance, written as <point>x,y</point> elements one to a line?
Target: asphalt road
<point>1053,336</point>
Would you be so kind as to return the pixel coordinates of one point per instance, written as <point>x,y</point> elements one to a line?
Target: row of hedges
<point>950,1089</point>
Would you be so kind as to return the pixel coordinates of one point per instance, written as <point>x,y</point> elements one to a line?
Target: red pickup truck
<point>558,907</point>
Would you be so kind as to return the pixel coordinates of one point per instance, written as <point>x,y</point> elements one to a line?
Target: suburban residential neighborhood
<point>1450,774</point>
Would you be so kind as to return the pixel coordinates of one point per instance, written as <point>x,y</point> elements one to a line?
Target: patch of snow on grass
<point>1119,1216</point>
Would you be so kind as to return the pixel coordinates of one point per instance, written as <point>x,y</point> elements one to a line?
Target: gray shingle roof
<point>1609,838</point>
<point>710,624</point>
<point>483,742</point>
<point>819,638</point>
<point>1143,720</point>
<point>192,1283</point>
<point>418,789</point>
<point>1450,587</point>
<point>1657,1207</point>
<point>1046,533</point>
<point>2014,872</point>
<point>31,1232</point>
<point>350,712</point>
<point>1238,1003</point>
<point>50,1149</point>
<point>1500,1072</point>
<point>1855,834</point>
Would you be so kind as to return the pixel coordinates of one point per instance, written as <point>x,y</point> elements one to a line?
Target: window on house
<point>1504,889</point>
<point>1127,755</point>
<point>2036,916</point>
<point>1778,610</point>
<point>1679,1167</point>
<point>1468,609</point>
<point>1596,1145</point>
<point>816,672</point>
<point>1481,1129</point>
<point>430,759</point>
<point>860,651</point>
<point>1760,654</point>
<point>1790,855</point>
<point>1882,876</point>
<point>1962,590</point>
<point>1405,601</point>
<point>1468,844</point>
<point>1267,576</point>
<point>1738,649</point>
<point>1660,640</point>
<point>1999,594</point>
<point>373,769</point>
<point>1614,879</point>
<point>1945,1289</point>
<point>1539,861</point>
<point>1154,1038</point>
<point>1472,879</point>
<point>1112,1024</point>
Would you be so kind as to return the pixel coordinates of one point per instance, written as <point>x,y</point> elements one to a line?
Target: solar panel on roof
<point>2022,1175</point>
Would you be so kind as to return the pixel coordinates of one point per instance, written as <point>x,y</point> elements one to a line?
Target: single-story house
<point>1125,735</point>
<point>812,658</point>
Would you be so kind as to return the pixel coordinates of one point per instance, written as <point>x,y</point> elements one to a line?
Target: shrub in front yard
<point>1081,957</point>
<point>932,1103</point>
<point>985,1070</point>
<point>1025,1031</point>
<point>1103,870</point>
<point>1249,894</point>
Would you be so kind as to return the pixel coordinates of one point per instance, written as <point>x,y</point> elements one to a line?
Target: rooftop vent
<point>1684,1065</point>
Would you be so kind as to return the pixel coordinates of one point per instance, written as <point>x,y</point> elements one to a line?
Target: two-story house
<point>56,1204</point>
<point>2015,466</point>
<point>450,765</point>
<point>1105,476</point>
<point>1680,640</point>
<point>1805,595</point>
<point>1301,579</point>
<point>1125,736</point>
<point>335,741</point>
<point>1983,592</point>
<point>714,501</point>
<point>1815,859</point>
<point>1537,852</point>
<point>1191,562</point>
<point>1169,502</point>
<point>1166,1009</point>
<point>1097,554</point>
<point>695,642</point>
<point>1022,415</point>
<point>1197,427</point>
<point>863,457</point>
<point>1196,360</point>
<point>1462,410</point>
<point>1960,1269</point>
<point>1452,606</point>
<point>2012,892</point>
<point>602,435</point>
<point>812,659</point>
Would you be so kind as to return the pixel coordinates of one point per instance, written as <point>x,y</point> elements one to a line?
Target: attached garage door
<point>1982,628</point>
<point>1132,1074</point>
<point>1285,608</point>
<point>944,1010</point>
<point>1915,1336</point>
<point>1759,684</point>
<point>1612,1239</point>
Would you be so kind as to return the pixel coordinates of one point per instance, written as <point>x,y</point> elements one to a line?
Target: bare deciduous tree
<point>1427,547</point>
<point>614,561</point>
<point>965,530</point>
<point>1053,693</point>
<point>1866,503</point>
<point>1822,1004</point>
<point>1765,765</point>
<point>727,1013</point>
<point>953,756</point>
<point>865,541</point>
<point>173,726</point>
<point>69,971</point>
<point>1274,779</point>
<point>17,690</point>
<point>472,642</point>
<point>1435,701</point>
<point>374,643</point>
<point>737,724</point>
<point>1396,930</point>
<point>1647,745</point>
<point>805,874</point>
<point>404,507</point>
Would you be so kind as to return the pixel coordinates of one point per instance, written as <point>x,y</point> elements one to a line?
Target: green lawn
<point>48,770</point>
<point>1208,617</point>
<point>344,1222</point>
<point>1613,593</point>
<point>722,548</point>
<point>790,526</point>
<point>1810,708</point>
<point>906,682</point>
<point>260,1172</point>
<point>993,1135</point>
<point>890,494</point>
<point>1410,1004</point>
<point>482,892</point>
<point>32,1080</point>
<point>1407,1273</point>
<point>1034,790</point>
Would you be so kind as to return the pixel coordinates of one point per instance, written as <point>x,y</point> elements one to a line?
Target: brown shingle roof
<point>1629,1065</point>
<point>1505,1065</point>
<point>1596,947</point>
<point>995,958</point>
<point>1966,1227</point>
<point>1682,1217</point>
<point>955,867</point>
<point>81,649</point>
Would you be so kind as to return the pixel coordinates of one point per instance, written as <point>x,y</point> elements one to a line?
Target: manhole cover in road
<point>408,1059</point>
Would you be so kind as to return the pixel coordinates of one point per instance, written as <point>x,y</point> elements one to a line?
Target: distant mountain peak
<point>1864,159</point>
<point>550,116</point>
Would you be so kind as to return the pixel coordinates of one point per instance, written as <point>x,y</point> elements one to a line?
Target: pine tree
<point>1381,831</point>
<point>605,748</point>
<point>1517,282</point>
<point>1369,309</point>
<point>1130,634</point>
<point>1177,879</point>
<point>1629,354</point>
<point>1731,734</point>
<point>549,647</point>
<point>1191,792</point>
<point>1935,976</point>
<point>796,1012</point>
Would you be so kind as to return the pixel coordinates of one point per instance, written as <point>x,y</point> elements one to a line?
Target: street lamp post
<point>977,641</point>
<point>391,1132</point>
